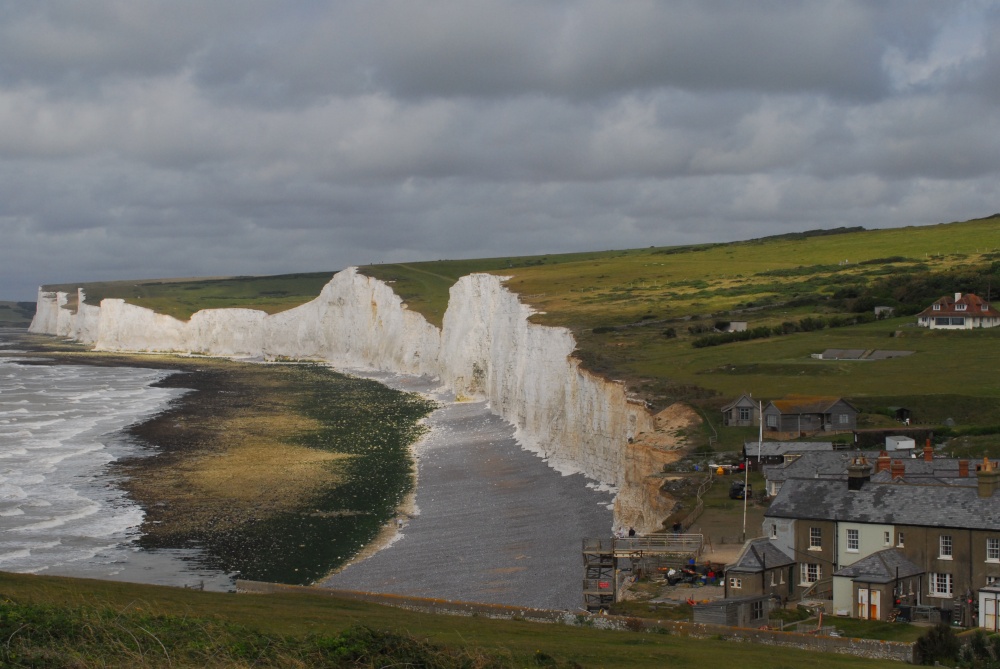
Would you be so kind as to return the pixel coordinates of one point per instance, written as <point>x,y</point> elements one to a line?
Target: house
<point>741,412</point>
<point>936,520</point>
<point>762,568</point>
<point>797,415</point>
<point>963,312</point>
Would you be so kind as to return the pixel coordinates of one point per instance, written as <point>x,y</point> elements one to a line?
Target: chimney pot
<point>963,468</point>
<point>897,469</point>
<point>882,463</point>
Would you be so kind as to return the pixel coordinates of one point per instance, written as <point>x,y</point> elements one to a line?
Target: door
<point>863,603</point>
<point>989,613</point>
<point>873,604</point>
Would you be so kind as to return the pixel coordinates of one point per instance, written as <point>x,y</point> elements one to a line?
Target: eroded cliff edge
<point>486,348</point>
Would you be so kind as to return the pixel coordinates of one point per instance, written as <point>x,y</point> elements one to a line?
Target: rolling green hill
<point>641,315</point>
<point>16,314</point>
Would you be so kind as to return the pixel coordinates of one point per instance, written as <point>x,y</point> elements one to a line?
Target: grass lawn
<point>299,616</point>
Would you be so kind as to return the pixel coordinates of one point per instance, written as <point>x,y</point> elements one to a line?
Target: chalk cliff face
<point>486,348</point>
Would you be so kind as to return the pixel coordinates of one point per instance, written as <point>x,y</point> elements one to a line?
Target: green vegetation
<point>638,314</point>
<point>182,297</point>
<point>16,314</point>
<point>48,621</point>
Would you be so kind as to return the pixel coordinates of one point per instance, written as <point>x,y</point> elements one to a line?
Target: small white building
<point>900,443</point>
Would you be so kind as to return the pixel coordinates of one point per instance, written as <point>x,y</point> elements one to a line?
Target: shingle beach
<point>492,522</point>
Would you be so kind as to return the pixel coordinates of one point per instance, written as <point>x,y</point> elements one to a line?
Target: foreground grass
<point>67,622</point>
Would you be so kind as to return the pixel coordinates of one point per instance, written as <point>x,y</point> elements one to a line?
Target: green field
<point>16,314</point>
<point>47,621</point>
<point>638,313</point>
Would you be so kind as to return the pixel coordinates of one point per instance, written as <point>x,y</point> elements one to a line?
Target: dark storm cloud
<point>189,138</point>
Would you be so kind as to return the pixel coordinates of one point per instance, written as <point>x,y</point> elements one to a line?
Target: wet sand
<point>492,522</point>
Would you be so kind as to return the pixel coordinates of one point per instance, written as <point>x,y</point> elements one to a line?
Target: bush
<point>938,644</point>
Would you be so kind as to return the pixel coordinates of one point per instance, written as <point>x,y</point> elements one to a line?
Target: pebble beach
<point>490,522</point>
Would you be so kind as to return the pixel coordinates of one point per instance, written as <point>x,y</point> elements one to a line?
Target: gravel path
<point>494,523</point>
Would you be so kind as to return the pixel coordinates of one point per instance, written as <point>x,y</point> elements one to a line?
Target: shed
<point>898,442</point>
<point>752,611</point>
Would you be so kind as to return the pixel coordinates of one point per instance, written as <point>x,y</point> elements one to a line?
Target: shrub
<point>938,644</point>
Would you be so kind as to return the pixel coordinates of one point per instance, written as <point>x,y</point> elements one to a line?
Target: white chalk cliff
<point>487,348</point>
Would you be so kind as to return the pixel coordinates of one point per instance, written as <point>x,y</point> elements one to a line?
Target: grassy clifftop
<point>638,314</point>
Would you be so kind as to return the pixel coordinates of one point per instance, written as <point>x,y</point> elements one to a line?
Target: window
<point>815,538</point>
<point>944,547</point>
<point>940,585</point>
<point>774,531</point>
<point>961,307</point>
<point>957,321</point>
<point>757,610</point>
<point>844,419</point>
<point>899,540</point>
<point>937,307</point>
<point>735,583</point>
<point>744,413</point>
<point>887,538</point>
<point>810,572</point>
<point>993,550</point>
<point>852,541</point>
<point>772,421</point>
<point>993,580</point>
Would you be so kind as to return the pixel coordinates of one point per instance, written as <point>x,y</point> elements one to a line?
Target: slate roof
<point>918,504</point>
<point>881,567</point>
<point>833,465</point>
<point>758,555</point>
<point>781,448</point>
<point>829,464</point>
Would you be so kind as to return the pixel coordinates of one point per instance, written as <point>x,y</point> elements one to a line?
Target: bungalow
<point>797,415</point>
<point>963,312</point>
<point>741,412</point>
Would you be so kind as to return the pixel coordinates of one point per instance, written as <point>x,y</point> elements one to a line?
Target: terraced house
<point>874,542</point>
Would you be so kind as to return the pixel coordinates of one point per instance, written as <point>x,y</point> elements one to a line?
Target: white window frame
<point>815,538</point>
<point>735,583</point>
<point>993,580</point>
<point>853,540</point>
<point>946,548</point>
<point>940,584</point>
<point>937,307</point>
<point>744,413</point>
<point>772,420</point>
<point>887,537</point>
<point>992,549</point>
<point>899,540</point>
<point>810,572</point>
<point>843,419</point>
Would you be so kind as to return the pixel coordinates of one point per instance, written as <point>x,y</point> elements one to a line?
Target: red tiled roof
<point>948,306</point>
<point>805,404</point>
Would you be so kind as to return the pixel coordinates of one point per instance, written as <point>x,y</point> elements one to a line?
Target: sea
<point>62,511</point>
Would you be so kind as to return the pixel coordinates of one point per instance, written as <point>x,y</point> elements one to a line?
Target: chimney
<point>928,451</point>
<point>963,468</point>
<point>882,464</point>
<point>988,478</point>
<point>897,469</point>
<point>958,296</point>
<point>858,473</point>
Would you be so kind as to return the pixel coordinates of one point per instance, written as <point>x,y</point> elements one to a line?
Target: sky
<point>148,138</point>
